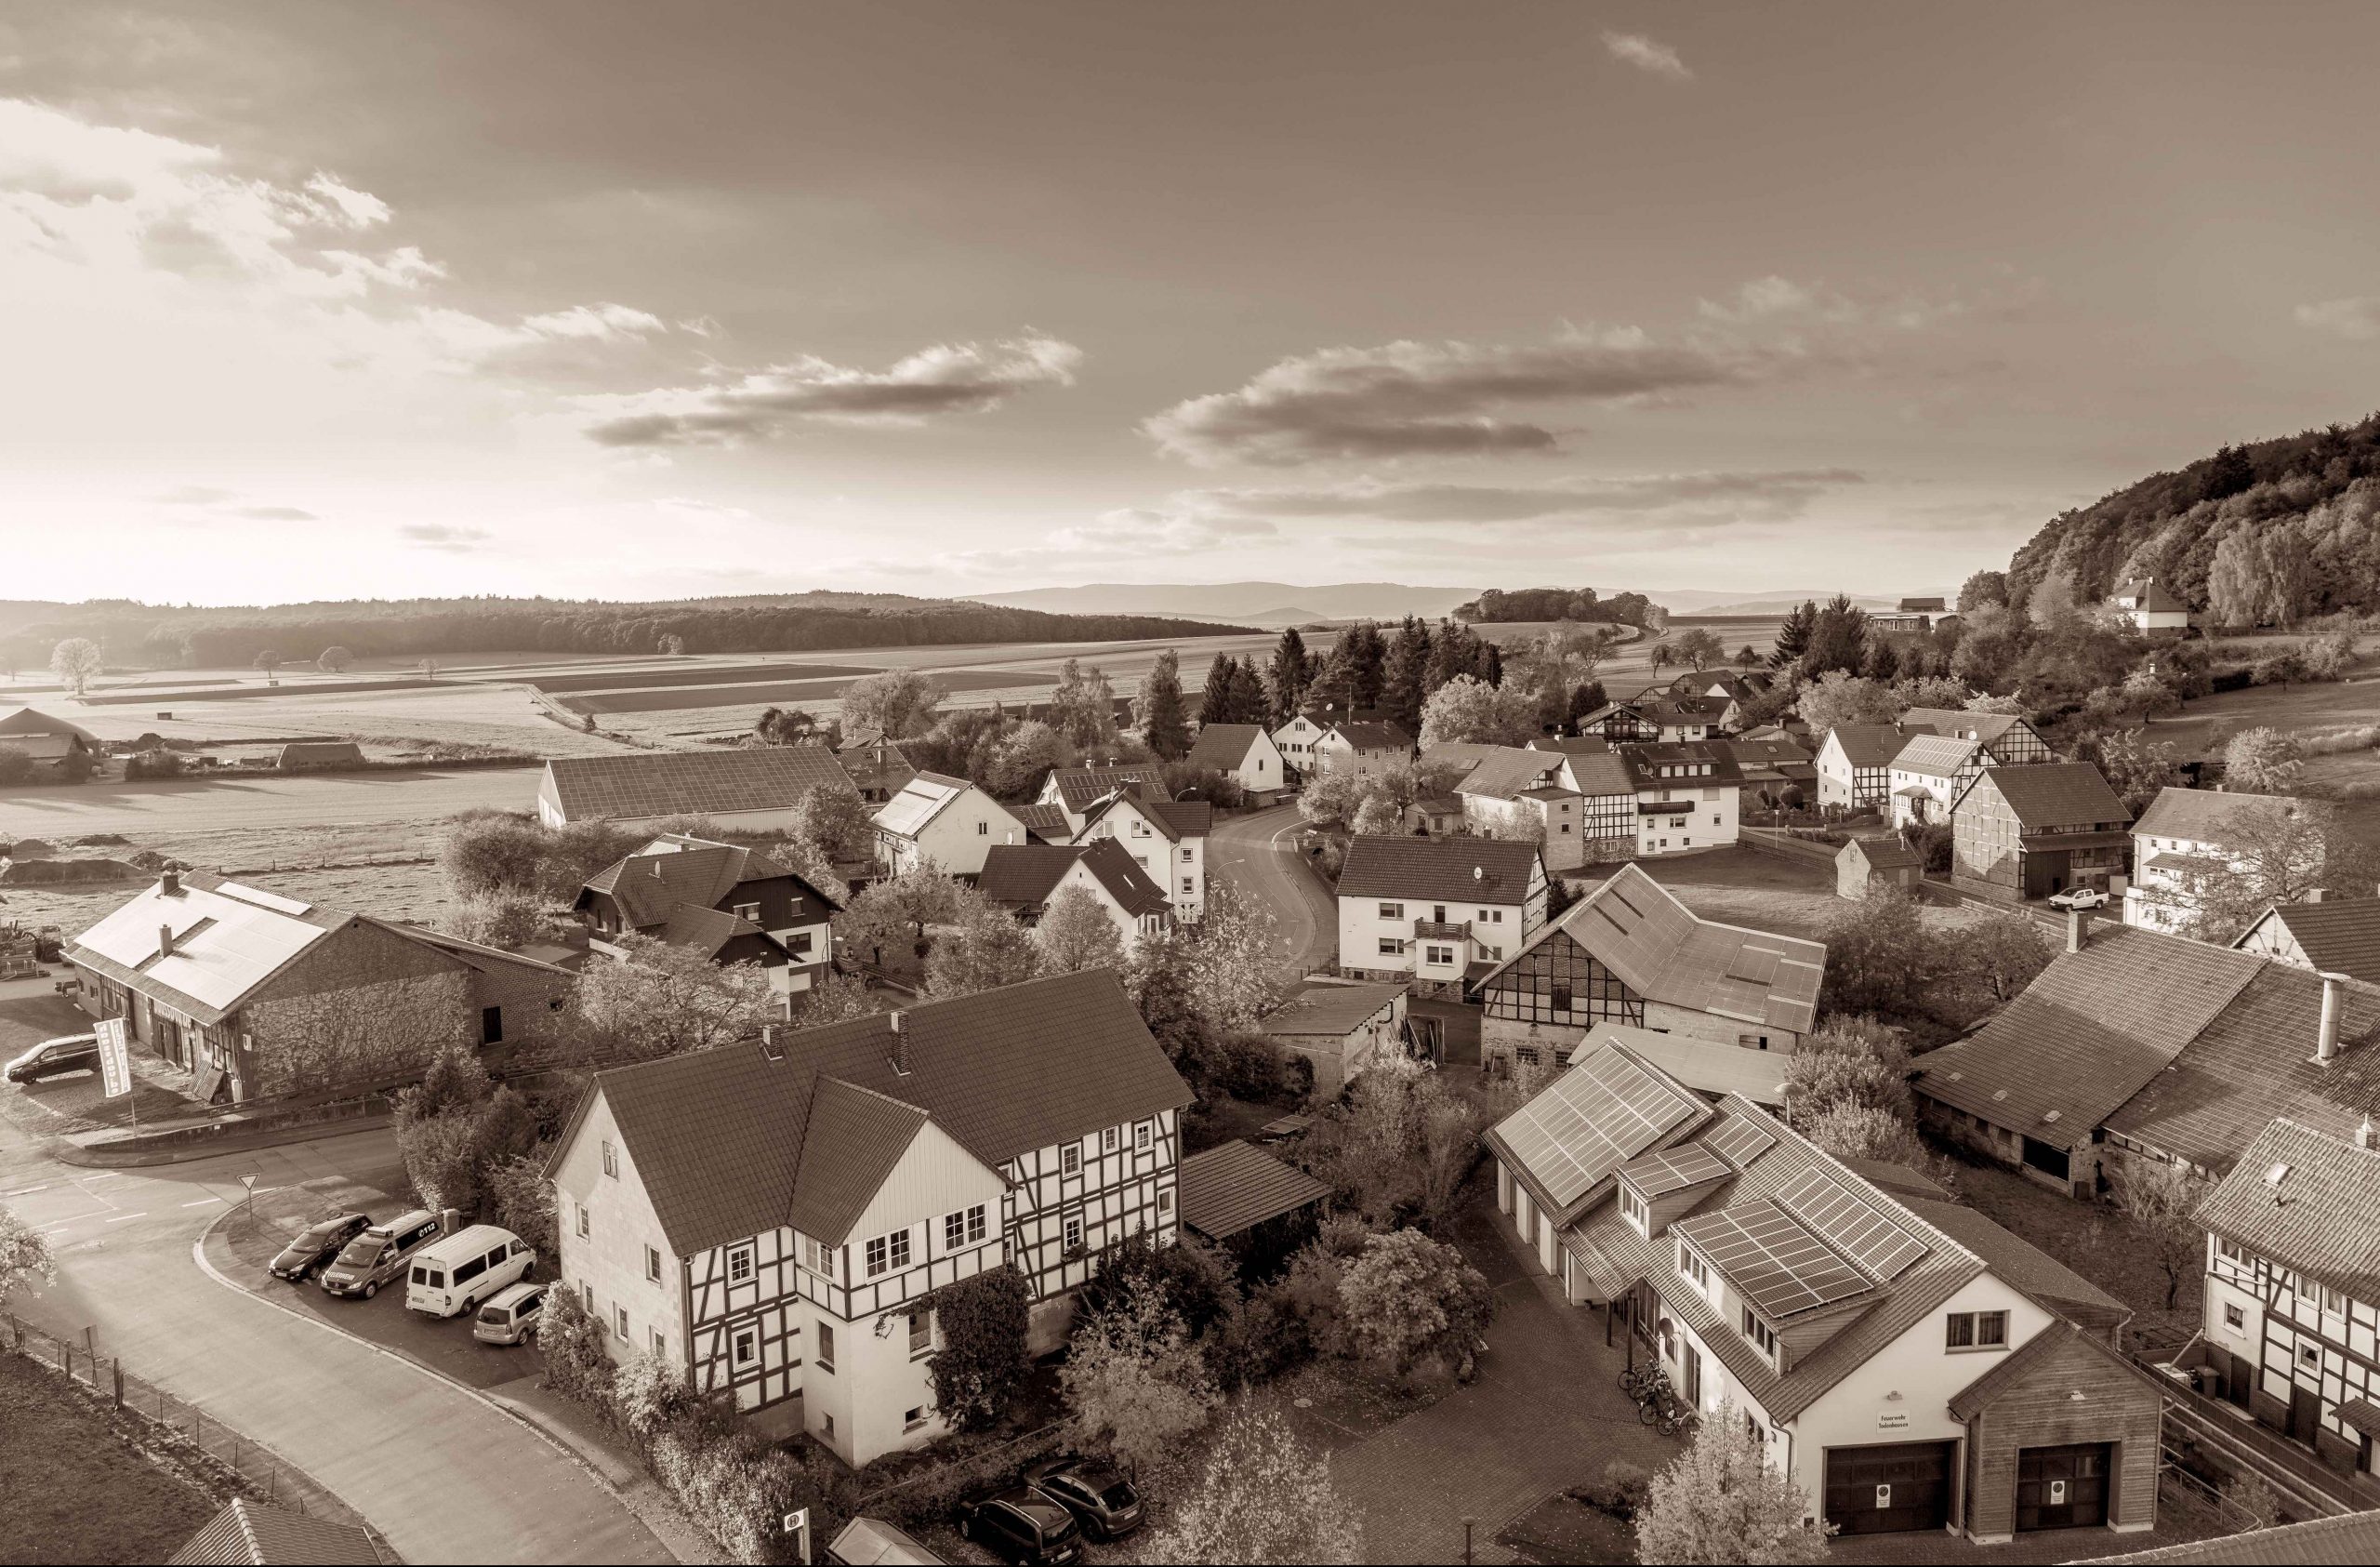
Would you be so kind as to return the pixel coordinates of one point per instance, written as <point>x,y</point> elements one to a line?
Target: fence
<point>274,1478</point>
<point>1777,842</point>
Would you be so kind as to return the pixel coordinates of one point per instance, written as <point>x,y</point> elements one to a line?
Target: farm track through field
<point>691,674</point>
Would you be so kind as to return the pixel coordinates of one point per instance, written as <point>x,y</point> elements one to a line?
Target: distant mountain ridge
<point>1242,603</point>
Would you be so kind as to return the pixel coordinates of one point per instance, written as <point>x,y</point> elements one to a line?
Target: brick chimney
<point>169,884</point>
<point>2313,895</point>
<point>2365,1136</point>
<point>2078,929</point>
<point>900,1044</point>
<point>2326,1042</point>
<point>165,941</point>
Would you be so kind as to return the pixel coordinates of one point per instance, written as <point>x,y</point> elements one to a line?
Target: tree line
<point>1563,603</point>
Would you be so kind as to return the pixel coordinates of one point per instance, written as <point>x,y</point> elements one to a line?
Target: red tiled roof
<point>1024,875</point>
<point>2057,794</point>
<point>712,782</point>
<point>2339,935</point>
<point>1868,744</point>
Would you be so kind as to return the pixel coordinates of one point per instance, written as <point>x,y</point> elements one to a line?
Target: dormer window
<point>1694,1268</point>
<point>1633,1209</point>
<point>1763,1337</point>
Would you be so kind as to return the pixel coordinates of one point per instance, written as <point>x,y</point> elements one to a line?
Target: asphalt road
<point>235,801</point>
<point>444,1476</point>
<point>1256,853</point>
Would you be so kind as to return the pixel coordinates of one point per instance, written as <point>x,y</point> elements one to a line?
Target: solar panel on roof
<point>1595,1117</point>
<point>1863,1233</point>
<point>1674,1169</point>
<point>1772,1260</point>
<point>1739,1141</point>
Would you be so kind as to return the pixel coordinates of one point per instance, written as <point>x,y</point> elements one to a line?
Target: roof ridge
<point>871,1092</point>
<point>1862,1185</point>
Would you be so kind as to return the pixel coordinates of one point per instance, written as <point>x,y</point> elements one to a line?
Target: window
<point>582,1219</point>
<point>1070,1160</point>
<point>744,1351</point>
<point>982,829</point>
<point>1763,1337</point>
<point>748,911</point>
<point>1389,947</point>
<point>1633,1209</point>
<point>964,1228</point>
<point>620,1323</point>
<point>1752,1423</point>
<point>1141,1133</point>
<point>1074,1234</point>
<point>820,1259</point>
<point>888,1252</point>
<point>587,1298</point>
<point>1189,884</point>
<point>920,1331</point>
<point>611,1160</point>
<point>1695,1269</point>
<point>2235,1319</point>
<point>912,1419</point>
<point>491,1025</point>
<point>739,1263</point>
<point>653,1265</point>
<point>2332,1300</point>
<point>1561,998</point>
<point>1392,910</point>
<point>1107,1140</point>
<point>826,1423</point>
<point>2309,1357</point>
<point>1437,957</point>
<point>1526,1053</point>
<point>826,1356</point>
<point>1185,857</point>
<point>1977,1330</point>
<point>1165,1200</point>
<point>660,1345</point>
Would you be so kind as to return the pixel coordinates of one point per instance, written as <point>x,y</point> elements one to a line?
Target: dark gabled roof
<point>1019,876</point>
<point>2048,794</point>
<point>1868,744</point>
<point>1176,818</point>
<point>1078,786</point>
<point>320,753</point>
<point>1374,736</point>
<point>855,1139</point>
<point>1334,1011</point>
<point>2339,935</point>
<point>876,764</point>
<point>717,1137</point>
<point>2018,1262</point>
<point>1225,746</point>
<point>2321,1542</point>
<point>1898,1180</point>
<point>1882,853</point>
<point>696,782</point>
<point>1923,606</point>
<point>2087,1033</point>
<point>1645,761</point>
<point>1047,821</point>
<point>1235,1185</point>
<point>652,885</point>
<point>2209,815</point>
<point>1439,870</point>
<point>249,1533</point>
<point>704,930</point>
<point>2316,1217</point>
<point>32,720</point>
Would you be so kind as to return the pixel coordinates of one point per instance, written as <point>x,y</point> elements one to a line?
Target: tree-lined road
<point>1257,854</point>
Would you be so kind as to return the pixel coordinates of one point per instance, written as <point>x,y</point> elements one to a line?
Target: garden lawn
<point>75,1489</point>
<point>1742,886</point>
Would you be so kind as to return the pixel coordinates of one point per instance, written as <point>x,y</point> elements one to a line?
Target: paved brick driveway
<point>1545,1412</point>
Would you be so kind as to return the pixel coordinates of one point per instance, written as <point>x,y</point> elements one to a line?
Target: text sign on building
<point>116,1057</point>
<point>1894,1421</point>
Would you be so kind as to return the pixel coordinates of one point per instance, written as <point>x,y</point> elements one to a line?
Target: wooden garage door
<point>1884,1490</point>
<point>2062,1487</point>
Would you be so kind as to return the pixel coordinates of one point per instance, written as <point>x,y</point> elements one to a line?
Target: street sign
<point>116,1057</point>
<point>797,1523</point>
<point>250,1182</point>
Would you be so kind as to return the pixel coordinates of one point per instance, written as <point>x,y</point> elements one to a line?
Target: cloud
<point>1645,55</point>
<point>440,536</point>
<point>1127,534</point>
<point>947,378</point>
<point>274,514</point>
<point>1446,399</point>
<point>604,323</point>
<point>2356,319</point>
<point>1646,499</point>
<point>192,495</point>
<point>220,502</point>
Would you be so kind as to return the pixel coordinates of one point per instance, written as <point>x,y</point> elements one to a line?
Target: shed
<point>301,756</point>
<point>1233,1186</point>
<point>1865,866</point>
<point>255,1534</point>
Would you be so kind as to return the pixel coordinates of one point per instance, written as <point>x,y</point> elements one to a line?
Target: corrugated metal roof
<point>1235,1185</point>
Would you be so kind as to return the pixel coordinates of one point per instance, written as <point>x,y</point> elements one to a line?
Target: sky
<point>325,300</point>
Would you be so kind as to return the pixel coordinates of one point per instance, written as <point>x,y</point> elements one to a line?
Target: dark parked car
<point>54,1058</point>
<point>316,1245</point>
<point>1104,1501</point>
<point>1023,1525</point>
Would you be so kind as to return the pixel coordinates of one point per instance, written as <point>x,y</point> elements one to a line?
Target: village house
<point>1432,907</point>
<point>1928,774</point>
<point>944,822</point>
<point>1167,837</point>
<point>770,1217</point>
<point>1855,766</point>
<point>2032,831</point>
<point>1360,748</point>
<point>2011,740</point>
<point>1023,877</point>
<point>260,995</point>
<point>1075,789</point>
<point>2190,836</point>
<point>1242,752</point>
<point>735,905</point>
<point>1338,1029</point>
<point>51,743</point>
<point>1775,770</point>
<point>1865,866</point>
<point>1688,796</point>
<point>1905,1375</point>
<point>1733,689</point>
<point>2149,608</point>
<point>878,767</point>
<point>1581,806</point>
<point>1629,952</point>
<point>757,789</point>
<point>1295,740</point>
<point>1654,718</point>
<point>2136,1047</point>
<point>2327,935</point>
<point>2292,1297</point>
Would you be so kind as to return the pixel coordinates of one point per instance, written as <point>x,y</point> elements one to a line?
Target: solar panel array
<point>1739,1141</point>
<point>1772,1260</point>
<point>1674,1169</point>
<point>1854,1227</point>
<point>1596,1117</point>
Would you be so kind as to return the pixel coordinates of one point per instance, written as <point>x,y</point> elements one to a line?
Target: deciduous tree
<point>895,704</point>
<point>1133,1379</point>
<point>983,949</point>
<point>76,662</point>
<point>1077,934</point>
<point>25,1256</point>
<point>835,822</point>
<point>1264,1497</point>
<point>1721,1502</point>
<point>1837,699</point>
<point>2161,1200</point>
<point>1468,708</point>
<point>1699,647</point>
<point>662,999</point>
<point>1083,706</point>
<point>890,918</point>
<point>1408,1298</point>
<point>335,660</point>
<point>2262,761</point>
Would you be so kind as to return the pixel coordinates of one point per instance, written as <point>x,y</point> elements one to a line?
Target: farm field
<point>76,1490</point>
<point>679,697</point>
<point>157,812</point>
<point>705,673</point>
<point>413,889</point>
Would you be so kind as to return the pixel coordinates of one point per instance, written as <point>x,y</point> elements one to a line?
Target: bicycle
<point>1636,1380</point>
<point>1665,1412</point>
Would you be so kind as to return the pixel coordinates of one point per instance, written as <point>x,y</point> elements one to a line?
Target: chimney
<point>165,941</point>
<point>2313,895</point>
<point>900,1044</point>
<point>2326,1043</point>
<point>169,884</point>
<point>2078,929</point>
<point>2364,1136</point>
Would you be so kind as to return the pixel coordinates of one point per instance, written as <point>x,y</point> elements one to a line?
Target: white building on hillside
<point>2188,836</point>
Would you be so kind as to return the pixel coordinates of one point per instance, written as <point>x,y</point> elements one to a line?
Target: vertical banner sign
<point>116,1058</point>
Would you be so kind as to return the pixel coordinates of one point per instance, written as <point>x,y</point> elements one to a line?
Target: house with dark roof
<point>942,821</point>
<point>1023,877</point>
<point>1360,748</point>
<point>1243,752</point>
<point>1865,866</point>
<point>2149,608</point>
<point>1581,805</point>
<point>2009,736</point>
<point>1775,769</point>
<point>2018,833</point>
<point>1339,1028</point>
<point>1689,795</point>
<point>1909,1367</point>
<point>759,787</point>
<point>772,1217</point>
<point>878,768</point>
<point>735,905</point>
<point>260,995</point>
<point>2189,837</point>
<point>1075,789</point>
<point>1653,717</point>
<point>2293,1289</point>
<point>1436,909</point>
<point>1629,952</point>
<point>48,740</point>
<point>1854,764</point>
<point>2327,935</point>
<point>1167,837</point>
<point>2134,1046</point>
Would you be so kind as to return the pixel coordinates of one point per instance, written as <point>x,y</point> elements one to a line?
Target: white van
<point>466,1268</point>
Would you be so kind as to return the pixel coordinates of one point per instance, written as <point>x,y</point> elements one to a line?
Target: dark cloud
<point>1653,498</point>
<point>440,536</point>
<point>944,379</point>
<point>1413,399</point>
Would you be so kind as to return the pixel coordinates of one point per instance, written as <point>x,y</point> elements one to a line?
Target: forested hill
<point>213,637</point>
<point>2297,521</point>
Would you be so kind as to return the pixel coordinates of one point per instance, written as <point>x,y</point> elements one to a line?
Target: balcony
<point>1441,930</point>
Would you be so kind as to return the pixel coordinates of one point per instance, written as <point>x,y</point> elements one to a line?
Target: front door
<point>2239,1381</point>
<point>2062,1487</point>
<point>2304,1413</point>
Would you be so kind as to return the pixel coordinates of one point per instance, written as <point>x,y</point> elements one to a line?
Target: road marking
<point>25,1190</point>
<point>122,1217</point>
<point>201,1203</point>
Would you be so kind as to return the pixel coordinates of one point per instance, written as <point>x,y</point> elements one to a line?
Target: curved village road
<point>1254,854</point>
<point>445,1477</point>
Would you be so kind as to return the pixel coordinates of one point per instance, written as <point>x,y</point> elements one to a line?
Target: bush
<point>983,1361</point>
<point>157,763</point>
<point>16,767</point>
<point>571,1343</point>
<point>1619,1491</point>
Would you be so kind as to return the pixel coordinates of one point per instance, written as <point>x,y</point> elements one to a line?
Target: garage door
<point>1883,1490</point>
<point>2062,1487</point>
